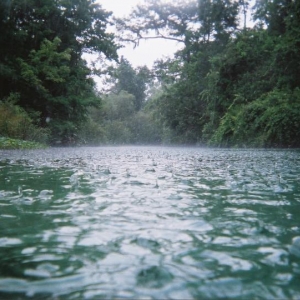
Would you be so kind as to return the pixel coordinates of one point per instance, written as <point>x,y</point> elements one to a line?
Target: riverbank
<point>8,143</point>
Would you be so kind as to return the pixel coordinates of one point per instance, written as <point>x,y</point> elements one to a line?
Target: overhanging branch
<point>140,37</point>
<point>161,37</point>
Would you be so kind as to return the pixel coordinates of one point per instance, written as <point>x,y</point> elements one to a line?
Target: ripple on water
<point>7,242</point>
<point>150,222</point>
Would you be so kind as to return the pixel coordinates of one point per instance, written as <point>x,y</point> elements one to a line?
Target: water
<point>149,223</point>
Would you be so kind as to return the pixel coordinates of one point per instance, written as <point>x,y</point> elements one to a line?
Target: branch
<point>140,37</point>
<point>161,37</point>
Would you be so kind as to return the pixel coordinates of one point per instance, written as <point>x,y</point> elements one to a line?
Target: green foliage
<point>45,67</point>
<point>228,86</point>
<point>183,112</point>
<point>118,106</point>
<point>203,27</point>
<point>249,92</point>
<point>218,19</point>
<point>274,14</point>
<point>144,129</point>
<point>41,47</point>
<point>272,120</point>
<point>117,122</point>
<point>133,81</point>
<point>91,133</point>
<point>9,144</point>
<point>117,111</point>
<point>117,132</point>
<point>16,123</point>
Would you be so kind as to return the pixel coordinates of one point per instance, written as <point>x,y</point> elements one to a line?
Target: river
<point>149,223</point>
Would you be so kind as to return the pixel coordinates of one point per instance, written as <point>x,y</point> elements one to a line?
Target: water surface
<point>149,222</point>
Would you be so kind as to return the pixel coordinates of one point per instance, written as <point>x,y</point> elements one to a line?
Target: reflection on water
<point>149,222</point>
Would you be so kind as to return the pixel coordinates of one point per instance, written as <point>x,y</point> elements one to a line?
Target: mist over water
<point>150,222</point>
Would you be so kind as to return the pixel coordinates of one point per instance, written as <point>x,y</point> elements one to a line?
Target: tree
<point>157,19</point>
<point>187,22</point>
<point>133,81</point>
<point>218,19</point>
<point>273,14</point>
<point>230,86</point>
<point>203,27</point>
<point>41,57</point>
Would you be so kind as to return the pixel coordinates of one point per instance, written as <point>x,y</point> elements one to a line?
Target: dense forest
<point>234,83</point>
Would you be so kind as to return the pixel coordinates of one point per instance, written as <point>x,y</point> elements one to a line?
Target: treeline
<point>233,83</point>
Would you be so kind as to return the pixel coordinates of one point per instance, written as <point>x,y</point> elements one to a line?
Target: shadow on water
<point>149,222</point>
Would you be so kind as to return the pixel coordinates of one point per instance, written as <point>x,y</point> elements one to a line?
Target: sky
<point>147,51</point>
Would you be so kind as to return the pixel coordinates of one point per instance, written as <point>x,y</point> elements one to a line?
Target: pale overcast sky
<point>148,51</point>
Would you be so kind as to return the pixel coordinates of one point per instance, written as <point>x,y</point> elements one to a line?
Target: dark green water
<point>149,223</point>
